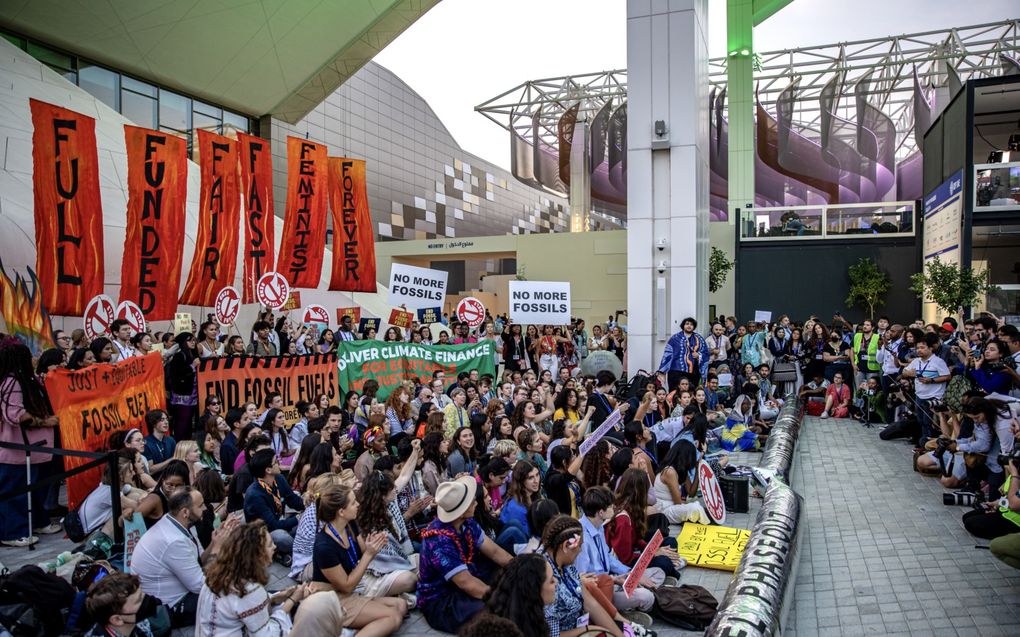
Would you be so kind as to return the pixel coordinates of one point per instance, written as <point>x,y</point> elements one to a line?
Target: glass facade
<point>143,103</point>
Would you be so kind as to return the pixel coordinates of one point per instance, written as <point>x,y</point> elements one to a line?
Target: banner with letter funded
<point>540,302</point>
<point>238,380</point>
<point>416,287</point>
<point>219,210</point>
<point>154,242</point>
<point>353,242</point>
<point>92,403</point>
<point>304,226</point>
<point>68,208</point>
<point>392,363</point>
<point>257,188</point>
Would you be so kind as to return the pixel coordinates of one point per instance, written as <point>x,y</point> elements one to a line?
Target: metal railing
<point>838,221</point>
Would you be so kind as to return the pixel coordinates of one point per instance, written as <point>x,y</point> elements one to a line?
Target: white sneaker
<point>825,414</point>
<point>49,530</point>
<point>21,542</point>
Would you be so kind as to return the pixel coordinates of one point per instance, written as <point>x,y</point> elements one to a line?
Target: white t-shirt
<point>96,509</point>
<point>932,368</point>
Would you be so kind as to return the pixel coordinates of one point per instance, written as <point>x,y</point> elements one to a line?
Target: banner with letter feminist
<point>304,226</point>
<point>219,210</point>
<point>68,209</point>
<point>392,363</point>
<point>353,243</point>
<point>94,402</point>
<point>257,188</point>
<point>153,245</point>
<point>241,379</point>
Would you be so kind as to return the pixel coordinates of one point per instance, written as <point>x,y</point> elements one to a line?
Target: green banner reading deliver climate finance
<point>392,363</point>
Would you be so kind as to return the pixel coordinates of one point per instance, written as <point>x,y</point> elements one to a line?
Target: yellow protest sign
<point>718,547</point>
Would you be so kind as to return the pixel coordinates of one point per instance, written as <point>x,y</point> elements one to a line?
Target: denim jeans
<point>14,512</point>
<point>512,533</point>
<point>283,540</point>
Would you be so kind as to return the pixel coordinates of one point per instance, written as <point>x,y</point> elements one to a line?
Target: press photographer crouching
<point>966,453</point>
<point>1000,517</point>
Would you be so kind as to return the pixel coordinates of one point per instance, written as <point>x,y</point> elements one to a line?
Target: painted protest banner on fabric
<point>416,287</point>
<point>353,241</point>
<point>711,546</point>
<point>540,302</point>
<point>392,363</point>
<point>219,211</point>
<point>94,402</point>
<point>257,188</point>
<point>304,226</point>
<point>68,209</point>
<point>238,380</point>
<point>154,243</point>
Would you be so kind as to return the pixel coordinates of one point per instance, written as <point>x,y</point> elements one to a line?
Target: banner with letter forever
<point>94,402</point>
<point>416,287</point>
<point>540,302</point>
<point>68,208</point>
<point>353,243</point>
<point>257,188</point>
<point>304,225</point>
<point>392,363</point>
<point>241,379</point>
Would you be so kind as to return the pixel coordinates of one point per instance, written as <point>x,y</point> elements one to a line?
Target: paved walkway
<point>883,555</point>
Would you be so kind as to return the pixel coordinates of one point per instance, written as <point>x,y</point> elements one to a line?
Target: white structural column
<point>667,173</point>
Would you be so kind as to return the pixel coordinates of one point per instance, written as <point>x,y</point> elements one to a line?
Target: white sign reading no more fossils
<point>540,302</point>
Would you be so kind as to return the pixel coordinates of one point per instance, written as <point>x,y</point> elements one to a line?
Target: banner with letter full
<point>353,242</point>
<point>241,379</point>
<point>304,226</point>
<point>257,188</point>
<point>540,302</point>
<point>68,208</point>
<point>711,546</point>
<point>94,402</point>
<point>154,242</point>
<point>219,211</point>
<point>415,287</point>
<point>392,363</point>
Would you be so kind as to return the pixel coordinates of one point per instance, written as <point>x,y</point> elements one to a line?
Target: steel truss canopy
<point>258,57</point>
<point>893,87</point>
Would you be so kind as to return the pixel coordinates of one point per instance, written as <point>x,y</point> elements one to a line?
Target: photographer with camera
<point>990,370</point>
<point>930,375</point>
<point>888,355</point>
<point>967,460</point>
<point>1001,517</point>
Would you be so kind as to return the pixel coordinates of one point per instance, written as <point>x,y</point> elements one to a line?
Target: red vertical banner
<point>154,241</point>
<point>219,209</point>
<point>68,208</point>
<point>353,241</point>
<point>259,223</point>
<point>304,229</point>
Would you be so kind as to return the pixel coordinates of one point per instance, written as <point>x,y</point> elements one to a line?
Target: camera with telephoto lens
<point>1007,458</point>
<point>960,498</point>
<point>942,445</point>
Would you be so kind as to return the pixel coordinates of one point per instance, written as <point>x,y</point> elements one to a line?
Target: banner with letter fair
<point>390,364</point>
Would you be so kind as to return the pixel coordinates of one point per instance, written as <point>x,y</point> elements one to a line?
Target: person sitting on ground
<point>999,517</point>
<point>525,484</point>
<point>561,483</point>
<point>242,478</point>
<point>675,487</point>
<point>172,478</point>
<point>627,531</point>
<point>115,603</point>
<point>265,499</point>
<point>307,411</point>
<point>376,444</point>
<point>738,432</point>
<point>837,398</point>
<point>872,401</point>
<point>522,592</point>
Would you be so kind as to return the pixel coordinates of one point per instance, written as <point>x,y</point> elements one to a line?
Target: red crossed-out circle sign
<point>227,305</point>
<point>130,312</point>
<point>272,290</point>
<point>471,311</point>
<point>316,314</point>
<point>711,493</point>
<point>99,313</point>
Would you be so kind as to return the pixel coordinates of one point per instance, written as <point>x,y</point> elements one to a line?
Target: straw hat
<point>453,498</point>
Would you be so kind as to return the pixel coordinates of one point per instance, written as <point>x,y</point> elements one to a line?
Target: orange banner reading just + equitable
<point>94,402</point>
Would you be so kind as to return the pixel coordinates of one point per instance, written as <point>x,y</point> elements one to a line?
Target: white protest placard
<point>762,316</point>
<point>540,302</point>
<point>611,421</point>
<point>415,287</point>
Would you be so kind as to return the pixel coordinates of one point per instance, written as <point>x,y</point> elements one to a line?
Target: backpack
<point>73,527</point>
<point>34,603</point>
<point>687,607</point>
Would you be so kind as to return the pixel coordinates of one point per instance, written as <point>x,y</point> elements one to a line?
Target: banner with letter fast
<point>237,380</point>
<point>540,302</point>
<point>94,402</point>
<point>257,188</point>
<point>415,287</point>
<point>304,226</point>
<point>353,243</point>
<point>68,208</point>
<point>154,242</point>
<point>392,363</point>
<point>219,210</point>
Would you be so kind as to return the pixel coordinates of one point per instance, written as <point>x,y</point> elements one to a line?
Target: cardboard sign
<point>99,313</point>
<point>315,314</point>
<point>540,302</point>
<point>416,287</point>
<point>709,546</point>
<point>130,312</point>
<point>353,312</point>
<point>366,323</point>
<point>272,290</point>
<point>636,573</point>
<point>400,318</point>
<point>761,316</point>
<point>611,421</point>
<point>471,311</point>
<point>428,315</point>
<point>182,322</point>
<point>134,529</point>
<point>227,305</point>
<point>711,493</point>
<point>392,364</point>
<point>293,302</point>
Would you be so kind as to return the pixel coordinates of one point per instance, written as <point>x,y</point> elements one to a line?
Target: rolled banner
<point>777,458</point>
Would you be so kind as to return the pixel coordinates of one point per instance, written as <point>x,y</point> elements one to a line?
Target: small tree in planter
<point>718,267</point>
<point>950,287</point>
<point>868,284</point>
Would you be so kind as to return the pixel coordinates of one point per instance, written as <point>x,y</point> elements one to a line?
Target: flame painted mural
<point>22,308</point>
